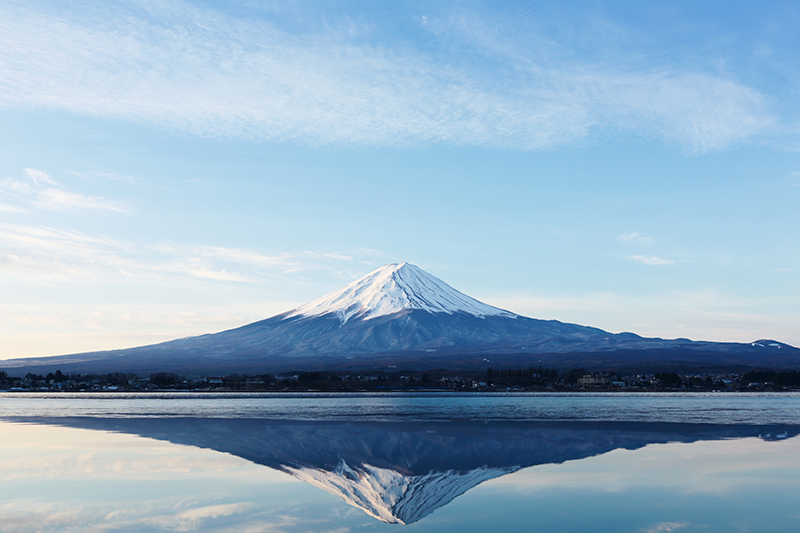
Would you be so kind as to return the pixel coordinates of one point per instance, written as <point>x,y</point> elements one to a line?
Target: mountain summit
<point>392,289</point>
<point>399,316</point>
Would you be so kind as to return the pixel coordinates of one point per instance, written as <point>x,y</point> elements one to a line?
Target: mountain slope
<point>393,497</point>
<point>392,289</point>
<point>400,315</point>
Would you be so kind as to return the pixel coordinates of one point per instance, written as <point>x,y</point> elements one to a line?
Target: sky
<point>172,168</point>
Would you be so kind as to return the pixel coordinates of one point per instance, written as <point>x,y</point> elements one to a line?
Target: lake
<point>417,462</point>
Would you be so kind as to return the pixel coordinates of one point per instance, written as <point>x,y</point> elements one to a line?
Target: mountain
<point>400,472</point>
<point>391,496</point>
<point>393,289</point>
<point>401,316</point>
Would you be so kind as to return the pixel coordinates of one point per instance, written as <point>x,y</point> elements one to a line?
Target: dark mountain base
<point>621,361</point>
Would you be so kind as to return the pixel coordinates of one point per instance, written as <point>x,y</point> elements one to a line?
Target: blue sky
<point>176,168</point>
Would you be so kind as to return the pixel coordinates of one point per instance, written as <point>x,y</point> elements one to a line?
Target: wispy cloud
<point>141,514</point>
<point>651,260</point>
<point>50,458</point>
<point>211,511</point>
<point>39,177</point>
<point>61,200</point>
<point>666,527</point>
<point>42,191</point>
<point>636,237</point>
<point>57,328</point>
<point>44,255</point>
<point>202,71</point>
<point>6,208</point>
<point>699,469</point>
<point>169,290</point>
<point>105,175</point>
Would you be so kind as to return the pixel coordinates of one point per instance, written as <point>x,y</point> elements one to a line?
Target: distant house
<point>594,380</point>
<point>231,382</point>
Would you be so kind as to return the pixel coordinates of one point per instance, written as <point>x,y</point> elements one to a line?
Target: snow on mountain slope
<point>390,496</point>
<point>394,288</point>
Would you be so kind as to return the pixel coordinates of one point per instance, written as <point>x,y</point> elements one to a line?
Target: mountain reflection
<point>400,472</point>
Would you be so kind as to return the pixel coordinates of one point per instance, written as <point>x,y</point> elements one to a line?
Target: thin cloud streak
<point>212,75</point>
<point>6,208</point>
<point>651,260</point>
<point>636,237</point>
<point>667,527</point>
<point>39,177</point>
<point>60,200</point>
<point>44,192</point>
<point>43,255</point>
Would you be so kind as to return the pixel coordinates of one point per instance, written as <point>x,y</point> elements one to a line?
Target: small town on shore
<point>524,379</point>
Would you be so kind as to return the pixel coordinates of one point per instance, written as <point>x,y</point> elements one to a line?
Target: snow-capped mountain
<point>392,289</point>
<point>401,316</point>
<point>393,497</point>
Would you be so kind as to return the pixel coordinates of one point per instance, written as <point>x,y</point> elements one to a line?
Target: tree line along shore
<point>519,379</point>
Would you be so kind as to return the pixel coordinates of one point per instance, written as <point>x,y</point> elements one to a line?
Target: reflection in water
<point>400,472</point>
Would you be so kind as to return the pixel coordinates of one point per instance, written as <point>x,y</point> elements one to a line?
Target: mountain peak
<point>390,496</point>
<point>393,288</point>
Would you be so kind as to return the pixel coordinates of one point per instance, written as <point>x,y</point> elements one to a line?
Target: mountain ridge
<point>391,289</point>
<point>399,315</point>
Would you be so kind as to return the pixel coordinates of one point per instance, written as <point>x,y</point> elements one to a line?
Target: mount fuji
<point>399,315</point>
<point>393,289</point>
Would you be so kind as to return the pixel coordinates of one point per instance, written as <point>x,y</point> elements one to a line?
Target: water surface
<point>429,462</point>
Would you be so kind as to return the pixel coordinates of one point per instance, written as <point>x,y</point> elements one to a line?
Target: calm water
<point>374,462</point>
<point>717,408</point>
